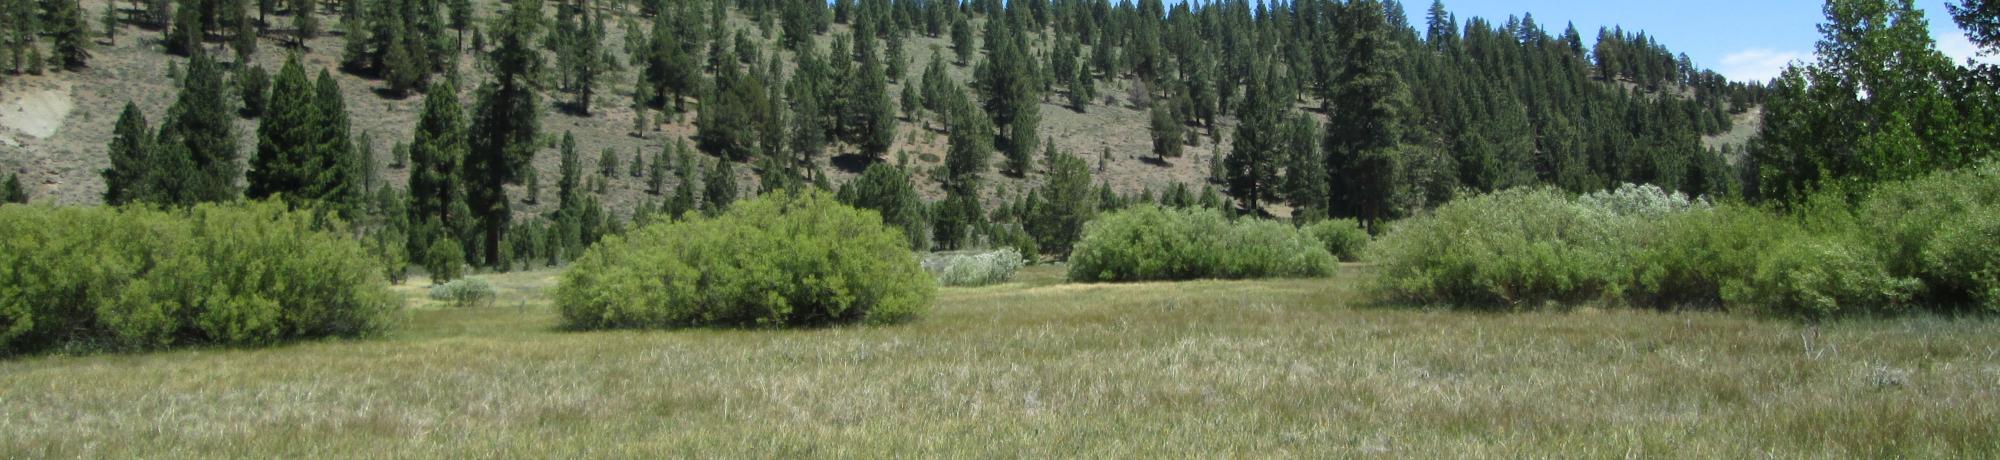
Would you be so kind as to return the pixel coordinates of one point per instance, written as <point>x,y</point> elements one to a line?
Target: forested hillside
<point>517,128</point>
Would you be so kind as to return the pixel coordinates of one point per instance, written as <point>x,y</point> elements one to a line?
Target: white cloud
<point>1961,48</point>
<point>1759,64</point>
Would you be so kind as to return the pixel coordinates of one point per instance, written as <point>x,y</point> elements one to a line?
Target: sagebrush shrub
<point>1641,200</point>
<point>1151,243</point>
<point>1343,237</point>
<point>974,269</point>
<point>137,278</point>
<point>464,292</point>
<point>779,260</point>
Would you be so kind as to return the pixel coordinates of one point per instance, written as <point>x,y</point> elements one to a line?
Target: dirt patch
<point>35,108</point>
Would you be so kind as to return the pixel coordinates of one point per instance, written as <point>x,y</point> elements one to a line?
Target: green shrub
<point>1817,276</point>
<point>1683,259</point>
<point>778,260</point>
<point>1962,263</point>
<point>1150,243</point>
<point>974,269</point>
<point>1901,220</point>
<point>1519,247</point>
<point>464,292</point>
<point>1342,237</point>
<point>136,278</point>
<point>445,260</point>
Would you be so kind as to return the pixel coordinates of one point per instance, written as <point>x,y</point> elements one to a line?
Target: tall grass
<point>1211,368</point>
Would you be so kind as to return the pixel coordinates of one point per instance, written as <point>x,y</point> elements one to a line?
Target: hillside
<point>58,123</point>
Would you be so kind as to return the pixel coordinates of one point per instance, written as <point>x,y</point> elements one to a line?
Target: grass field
<point>1038,368</point>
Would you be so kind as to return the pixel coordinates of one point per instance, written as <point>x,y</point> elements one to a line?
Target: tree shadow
<point>853,163</point>
<point>1156,160</point>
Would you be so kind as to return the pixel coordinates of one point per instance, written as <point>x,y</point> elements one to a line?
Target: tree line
<point>1331,108</point>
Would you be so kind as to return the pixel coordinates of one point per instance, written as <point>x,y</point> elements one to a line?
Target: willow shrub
<point>1519,247</point>
<point>1150,243</point>
<point>137,278</point>
<point>780,260</point>
<point>1344,238</point>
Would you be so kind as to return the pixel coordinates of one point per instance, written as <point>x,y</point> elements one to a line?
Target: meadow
<point>1038,368</point>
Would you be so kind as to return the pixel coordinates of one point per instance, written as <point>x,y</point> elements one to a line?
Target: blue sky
<point>1742,39</point>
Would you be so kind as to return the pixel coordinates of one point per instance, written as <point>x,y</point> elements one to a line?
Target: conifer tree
<point>720,188</point>
<point>254,87</point>
<point>684,192</point>
<point>72,34</point>
<point>1253,160</point>
<point>1368,108</point>
<point>127,180</point>
<point>1166,129</point>
<point>336,173</point>
<point>286,137</point>
<point>437,155</point>
<point>638,165</point>
<point>197,141</point>
<point>13,192</point>
<point>1064,202</point>
<point>505,123</point>
<point>874,127</point>
<point>887,189</point>
<point>110,24</point>
<point>656,173</point>
<point>607,164</point>
<point>1305,169</point>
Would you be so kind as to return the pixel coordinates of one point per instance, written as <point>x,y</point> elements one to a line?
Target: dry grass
<point>1037,368</point>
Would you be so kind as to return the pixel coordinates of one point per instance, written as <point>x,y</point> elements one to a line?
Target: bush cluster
<point>138,278</point>
<point>1926,242</point>
<point>464,292</point>
<point>1344,238</point>
<point>1152,243</point>
<point>1510,248</point>
<point>974,269</point>
<point>784,259</point>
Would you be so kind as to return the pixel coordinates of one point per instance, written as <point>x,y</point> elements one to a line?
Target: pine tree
<point>254,87</point>
<point>607,163</point>
<point>684,169</point>
<point>110,24</point>
<point>656,173</point>
<point>286,137</point>
<point>961,40</point>
<point>1252,165</point>
<point>1065,201</point>
<point>505,124</point>
<point>1368,110</point>
<point>335,174</point>
<point>969,145</point>
<point>874,127</point>
<point>720,188</point>
<point>638,165</point>
<point>887,189</point>
<point>437,155</point>
<point>13,192</point>
<point>127,180</point>
<point>72,34</point>
<point>1305,186</point>
<point>1166,129</point>
<point>197,141</point>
